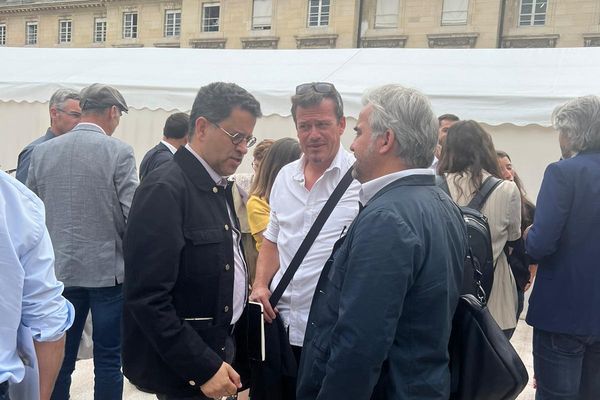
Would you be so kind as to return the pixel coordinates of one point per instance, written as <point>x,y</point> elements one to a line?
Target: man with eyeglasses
<point>64,115</point>
<point>298,195</point>
<point>186,281</point>
<point>86,179</point>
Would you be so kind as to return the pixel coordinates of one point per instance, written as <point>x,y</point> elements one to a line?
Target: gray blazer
<point>86,180</point>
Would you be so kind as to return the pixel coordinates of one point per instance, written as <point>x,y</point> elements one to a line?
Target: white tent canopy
<point>490,85</point>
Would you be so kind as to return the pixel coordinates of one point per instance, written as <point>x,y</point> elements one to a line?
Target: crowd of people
<point>166,264</point>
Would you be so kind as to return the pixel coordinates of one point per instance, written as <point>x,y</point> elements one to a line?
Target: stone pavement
<point>83,384</point>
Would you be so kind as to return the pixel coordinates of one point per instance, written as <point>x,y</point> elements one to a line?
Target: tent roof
<point>520,86</point>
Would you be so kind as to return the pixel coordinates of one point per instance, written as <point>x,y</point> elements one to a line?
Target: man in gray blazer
<point>87,179</point>
<point>64,115</point>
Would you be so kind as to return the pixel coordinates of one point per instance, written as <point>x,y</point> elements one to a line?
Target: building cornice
<point>49,6</point>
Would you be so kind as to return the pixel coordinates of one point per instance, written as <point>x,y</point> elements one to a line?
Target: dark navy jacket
<point>382,313</point>
<point>565,239</point>
<point>156,156</point>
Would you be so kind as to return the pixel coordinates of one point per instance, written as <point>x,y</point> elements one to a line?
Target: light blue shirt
<point>30,295</point>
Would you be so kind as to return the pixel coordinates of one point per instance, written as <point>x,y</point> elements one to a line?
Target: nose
<point>243,147</point>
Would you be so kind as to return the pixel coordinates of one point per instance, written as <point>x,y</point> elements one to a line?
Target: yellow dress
<point>258,217</point>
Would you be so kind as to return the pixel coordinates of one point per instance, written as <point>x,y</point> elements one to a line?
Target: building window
<point>210,17</point>
<point>318,12</point>
<point>2,35</point>
<point>172,23</point>
<point>65,30</point>
<point>130,25</point>
<point>533,12</point>
<point>99,30</point>
<point>31,31</point>
<point>454,12</point>
<point>386,14</point>
<point>262,11</point>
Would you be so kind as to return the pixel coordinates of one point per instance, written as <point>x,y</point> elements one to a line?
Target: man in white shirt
<point>175,134</point>
<point>298,195</point>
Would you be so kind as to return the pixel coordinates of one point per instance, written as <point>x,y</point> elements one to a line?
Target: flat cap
<point>101,96</point>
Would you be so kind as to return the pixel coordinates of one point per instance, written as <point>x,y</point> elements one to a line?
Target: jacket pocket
<point>201,236</point>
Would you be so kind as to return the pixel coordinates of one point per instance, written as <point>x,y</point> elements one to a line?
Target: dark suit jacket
<point>382,313</point>
<point>156,156</point>
<point>25,156</point>
<point>178,290</point>
<point>565,239</point>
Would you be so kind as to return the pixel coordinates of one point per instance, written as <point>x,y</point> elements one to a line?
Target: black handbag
<point>267,377</point>
<point>483,363</point>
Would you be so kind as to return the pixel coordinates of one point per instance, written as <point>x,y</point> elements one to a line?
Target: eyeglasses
<point>238,137</point>
<point>73,114</point>
<point>323,88</point>
<point>319,87</point>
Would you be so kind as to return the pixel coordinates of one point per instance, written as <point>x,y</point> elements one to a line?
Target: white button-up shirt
<point>293,211</point>
<point>240,277</point>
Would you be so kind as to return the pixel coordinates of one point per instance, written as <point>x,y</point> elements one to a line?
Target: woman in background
<point>468,158</point>
<point>522,268</point>
<point>282,152</point>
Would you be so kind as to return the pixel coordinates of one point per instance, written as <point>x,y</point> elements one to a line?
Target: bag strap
<point>311,236</point>
<point>487,187</point>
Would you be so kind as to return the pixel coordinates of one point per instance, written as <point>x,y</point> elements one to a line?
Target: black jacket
<point>178,290</point>
<point>156,156</point>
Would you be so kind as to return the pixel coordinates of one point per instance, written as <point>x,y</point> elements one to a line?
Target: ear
<point>387,142</point>
<point>342,124</point>
<point>53,112</point>
<point>200,127</point>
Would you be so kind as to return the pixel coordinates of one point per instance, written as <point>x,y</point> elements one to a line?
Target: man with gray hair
<point>381,316</point>
<point>564,303</point>
<point>64,115</point>
<point>86,179</point>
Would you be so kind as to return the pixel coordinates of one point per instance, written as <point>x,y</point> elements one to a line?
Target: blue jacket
<point>565,239</point>
<point>382,313</point>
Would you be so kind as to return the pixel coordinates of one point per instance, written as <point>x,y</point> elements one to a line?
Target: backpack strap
<point>487,187</point>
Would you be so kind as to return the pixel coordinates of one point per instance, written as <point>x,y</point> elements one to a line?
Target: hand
<point>263,294</point>
<point>225,382</point>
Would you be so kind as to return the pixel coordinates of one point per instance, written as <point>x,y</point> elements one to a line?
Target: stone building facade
<point>291,24</point>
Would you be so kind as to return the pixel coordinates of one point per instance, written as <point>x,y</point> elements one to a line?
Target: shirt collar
<point>169,146</point>
<point>369,189</point>
<point>83,124</point>
<point>219,180</point>
<point>337,163</point>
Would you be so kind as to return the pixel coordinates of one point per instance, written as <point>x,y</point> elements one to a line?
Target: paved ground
<point>82,387</point>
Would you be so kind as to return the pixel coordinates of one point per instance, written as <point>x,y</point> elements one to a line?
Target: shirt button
<point>215,190</point>
<point>192,383</point>
<point>226,309</point>
<point>226,227</point>
<point>227,267</point>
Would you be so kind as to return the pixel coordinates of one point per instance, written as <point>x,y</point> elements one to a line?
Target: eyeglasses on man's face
<point>73,114</point>
<point>238,137</point>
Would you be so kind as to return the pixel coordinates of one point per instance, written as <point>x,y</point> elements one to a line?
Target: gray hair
<point>579,121</point>
<point>59,97</point>
<point>407,113</point>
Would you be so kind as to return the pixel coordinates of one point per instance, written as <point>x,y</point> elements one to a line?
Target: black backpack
<point>480,239</point>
